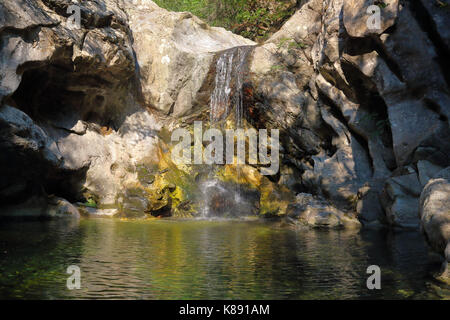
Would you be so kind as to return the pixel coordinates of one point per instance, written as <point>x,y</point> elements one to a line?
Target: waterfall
<point>231,67</point>
<point>230,71</point>
<point>220,97</point>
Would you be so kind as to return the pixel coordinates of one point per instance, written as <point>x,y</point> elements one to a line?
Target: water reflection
<point>210,259</point>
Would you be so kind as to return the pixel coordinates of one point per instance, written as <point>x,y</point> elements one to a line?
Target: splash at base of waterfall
<point>224,200</point>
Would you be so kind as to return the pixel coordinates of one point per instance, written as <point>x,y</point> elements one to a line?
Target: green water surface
<point>210,260</point>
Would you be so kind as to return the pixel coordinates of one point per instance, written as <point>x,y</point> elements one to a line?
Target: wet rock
<point>96,212</point>
<point>228,199</point>
<point>135,203</point>
<point>315,213</point>
<point>61,208</point>
<point>162,208</point>
<point>275,200</point>
<point>145,175</point>
<point>172,187</point>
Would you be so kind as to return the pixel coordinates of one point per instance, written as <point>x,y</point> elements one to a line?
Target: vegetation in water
<point>91,203</point>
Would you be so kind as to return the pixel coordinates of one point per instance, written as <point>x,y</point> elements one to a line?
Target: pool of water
<point>210,260</point>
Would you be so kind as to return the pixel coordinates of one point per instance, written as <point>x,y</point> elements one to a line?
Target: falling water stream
<point>230,75</point>
<point>227,95</point>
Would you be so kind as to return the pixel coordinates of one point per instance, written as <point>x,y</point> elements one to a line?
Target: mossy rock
<point>145,175</point>
<point>275,199</point>
<point>135,203</point>
<point>180,183</point>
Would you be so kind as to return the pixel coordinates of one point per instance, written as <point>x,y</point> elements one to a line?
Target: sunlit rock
<point>316,213</point>
<point>357,13</point>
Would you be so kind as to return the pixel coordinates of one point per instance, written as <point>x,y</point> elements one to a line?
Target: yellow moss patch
<point>275,199</point>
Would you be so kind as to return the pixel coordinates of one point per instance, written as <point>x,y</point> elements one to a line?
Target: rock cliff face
<point>82,105</point>
<point>363,112</point>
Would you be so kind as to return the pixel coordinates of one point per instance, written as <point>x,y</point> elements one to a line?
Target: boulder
<point>369,209</point>
<point>41,207</point>
<point>23,14</point>
<point>435,216</point>
<point>315,213</point>
<point>303,27</point>
<point>426,171</point>
<point>400,199</point>
<point>135,203</point>
<point>61,208</point>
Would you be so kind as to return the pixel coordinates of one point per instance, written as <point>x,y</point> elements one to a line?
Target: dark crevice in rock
<point>335,79</point>
<point>47,100</point>
<point>391,63</point>
<point>368,98</point>
<point>433,106</point>
<point>69,130</point>
<point>83,39</point>
<point>427,24</point>
<point>391,29</point>
<point>358,46</point>
<point>63,95</point>
<point>66,184</point>
<point>26,32</point>
<point>337,113</point>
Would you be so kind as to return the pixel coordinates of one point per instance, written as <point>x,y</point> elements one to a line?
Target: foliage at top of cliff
<point>253,19</point>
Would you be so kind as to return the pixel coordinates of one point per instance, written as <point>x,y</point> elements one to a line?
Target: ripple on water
<point>210,260</point>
